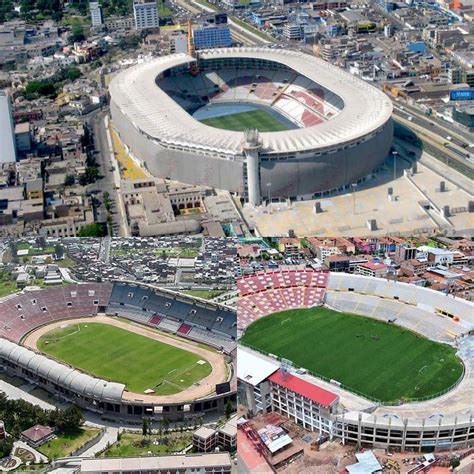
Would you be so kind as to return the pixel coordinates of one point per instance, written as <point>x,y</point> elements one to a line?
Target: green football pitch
<point>377,359</point>
<point>122,356</point>
<point>262,120</point>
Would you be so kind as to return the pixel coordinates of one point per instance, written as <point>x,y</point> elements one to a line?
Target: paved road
<point>105,184</point>
<point>109,437</point>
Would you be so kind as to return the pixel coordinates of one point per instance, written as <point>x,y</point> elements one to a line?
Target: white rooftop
<point>253,369</point>
<point>367,464</point>
<point>156,114</point>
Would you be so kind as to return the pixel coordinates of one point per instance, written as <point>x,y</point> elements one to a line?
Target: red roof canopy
<point>306,389</point>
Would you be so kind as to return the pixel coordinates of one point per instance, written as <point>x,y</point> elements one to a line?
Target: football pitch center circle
<point>373,358</point>
<point>153,366</point>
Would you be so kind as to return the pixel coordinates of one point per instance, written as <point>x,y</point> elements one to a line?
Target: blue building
<point>207,37</point>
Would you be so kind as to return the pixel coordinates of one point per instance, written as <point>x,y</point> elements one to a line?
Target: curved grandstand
<point>316,121</point>
<point>441,420</point>
<point>26,317</point>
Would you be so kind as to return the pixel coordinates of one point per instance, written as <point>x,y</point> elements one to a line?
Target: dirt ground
<point>200,390</point>
<point>332,456</point>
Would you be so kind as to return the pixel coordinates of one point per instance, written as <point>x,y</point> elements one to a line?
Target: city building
<point>7,131</point>
<point>464,116</point>
<point>372,269</point>
<point>145,14</point>
<point>218,463</point>
<point>303,402</point>
<point>205,439</point>
<point>97,14</point>
<point>206,37</point>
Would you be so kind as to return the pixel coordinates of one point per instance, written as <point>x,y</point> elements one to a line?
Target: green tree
<point>69,420</point>
<point>71,73</point>
<point>93,230</point>
<point>59,251</point>
<point>6,446</point>
<point>228,409</point>
<point>90,176</point>
<point>40,88</point>
<point>69,180</point>
<point>77,34</point>
<point>144,427</point>
<point>455,462</point>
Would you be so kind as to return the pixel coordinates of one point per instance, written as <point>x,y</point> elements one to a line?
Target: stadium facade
<point>266,383</point>
<point>186,317</point>
<point>342,126</point>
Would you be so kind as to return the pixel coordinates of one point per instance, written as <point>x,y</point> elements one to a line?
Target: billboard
<point>464,94</point>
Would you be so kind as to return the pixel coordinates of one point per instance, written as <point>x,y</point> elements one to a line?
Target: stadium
<point>373,362</point>
<point>122,349</point>
<point>257,122</point>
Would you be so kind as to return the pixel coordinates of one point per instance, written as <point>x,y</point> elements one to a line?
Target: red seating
<point>24,312</point>
<point>270,292</point>
<point>184,329</point>
<point>155,320</point>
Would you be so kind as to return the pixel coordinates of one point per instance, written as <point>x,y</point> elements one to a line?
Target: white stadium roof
<point>156,114</point>
<point>60,374</point>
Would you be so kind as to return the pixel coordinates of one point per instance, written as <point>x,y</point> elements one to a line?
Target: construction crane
<point>193,68</point>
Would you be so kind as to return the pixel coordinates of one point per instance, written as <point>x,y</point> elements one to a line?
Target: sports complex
<point>374,362</point>
<point>122,349</point>
<point>241,118</point>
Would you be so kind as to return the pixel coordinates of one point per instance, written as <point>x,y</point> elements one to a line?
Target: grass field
<point>262,120</point>
<point>115,354</point>
<point>377,359</point>
<point>134,444</point>
<point>65,444</point>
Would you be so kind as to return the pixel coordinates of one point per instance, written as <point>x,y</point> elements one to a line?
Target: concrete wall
<point>186,167</point>
<point>289,178</point>
<point>306,176</point>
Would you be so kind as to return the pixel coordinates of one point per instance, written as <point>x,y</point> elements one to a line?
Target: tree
<point>90,176</point>
<point>40,88</point>
<point>77,34</point>
<point>72,73</point>
<point>69,420</point>
<point>93,230</point>
<point>228,409</point>
<point>69,180</point>
<point>59,251</point>
<point>107,203</point>
<point>6,446</point>
<point>144,427</point>
<point>455,462</point>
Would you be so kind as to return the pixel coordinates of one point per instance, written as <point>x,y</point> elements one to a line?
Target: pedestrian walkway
<point>108,438</point>
<point>129,168</point>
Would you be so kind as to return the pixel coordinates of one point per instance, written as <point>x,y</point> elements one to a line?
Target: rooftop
<point>171,462</point>
<point>253,369</point>
<point>304,388</point>
<point>135,92</point>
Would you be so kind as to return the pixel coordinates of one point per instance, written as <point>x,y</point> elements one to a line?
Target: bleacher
<point>29,310</point>
<point>269,292</point>
<point>184,329</point>
<point>174,313</point>
<point>296,97</point>
<point>433,302</point>
<point>403,314</point>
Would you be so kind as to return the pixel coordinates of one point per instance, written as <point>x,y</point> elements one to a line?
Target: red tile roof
<point>37,433</point>
<point>304,388</point>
